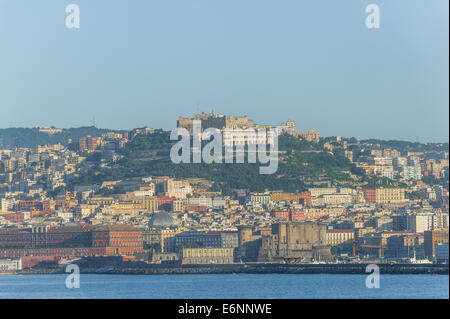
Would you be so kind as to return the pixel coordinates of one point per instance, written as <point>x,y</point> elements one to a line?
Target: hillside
<point>31,137</point>
<point>301,165</point>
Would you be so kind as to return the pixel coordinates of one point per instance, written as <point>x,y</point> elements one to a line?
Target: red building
<point>70,241</point>
<point>118,239</point>
<point>82,144</point>
<point>297,216</point>
<point>88,143</point>
<point>197,208</point>
<point>15,218</point>
<point>31,261</point>
<point>46,237</point>
<point>92,143</point>
<point>165,202</point>
<point>281,214</point>
<point>369,195</point>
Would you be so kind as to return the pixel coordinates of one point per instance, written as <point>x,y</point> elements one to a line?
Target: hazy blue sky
<point>143,63</point>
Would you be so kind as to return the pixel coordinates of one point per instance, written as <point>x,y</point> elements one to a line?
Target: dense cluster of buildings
<point>407,167</point>
<point>160,219</point>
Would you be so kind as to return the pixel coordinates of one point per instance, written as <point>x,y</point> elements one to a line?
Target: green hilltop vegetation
<point>405,146</point>
<point>301,165</point>
<point>31,137</point>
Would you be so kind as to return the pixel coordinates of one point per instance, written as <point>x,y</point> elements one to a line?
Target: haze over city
<point>144,63</point>
<point>232,158</point>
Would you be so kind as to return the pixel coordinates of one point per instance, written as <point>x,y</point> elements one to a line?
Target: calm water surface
<point>224,286</point>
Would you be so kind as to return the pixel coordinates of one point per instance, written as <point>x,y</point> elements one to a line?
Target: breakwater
<point>245,268</point>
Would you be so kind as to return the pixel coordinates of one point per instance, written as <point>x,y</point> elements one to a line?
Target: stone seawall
<point>251,269</point>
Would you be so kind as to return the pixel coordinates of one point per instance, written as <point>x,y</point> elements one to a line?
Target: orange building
<point>304,197</point>
<point>118,239</point>
<point>432,237</point>
<point>29,205</point>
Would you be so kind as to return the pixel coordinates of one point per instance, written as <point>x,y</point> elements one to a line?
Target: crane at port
<point>379,246</point>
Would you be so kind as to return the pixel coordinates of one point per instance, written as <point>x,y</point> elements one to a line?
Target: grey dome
<point>161,219</point>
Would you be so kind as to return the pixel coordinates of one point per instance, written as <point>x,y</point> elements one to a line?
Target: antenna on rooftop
<point>93,121</point>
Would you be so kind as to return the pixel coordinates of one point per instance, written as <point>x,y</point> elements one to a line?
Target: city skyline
<point>225,155</point>
<point>93,123</point>
<point>127,66</point>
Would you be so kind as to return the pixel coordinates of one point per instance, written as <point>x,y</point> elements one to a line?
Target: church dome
<point>161,219</point>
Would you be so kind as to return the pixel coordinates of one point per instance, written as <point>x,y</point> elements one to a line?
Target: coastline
<point>249,268</point>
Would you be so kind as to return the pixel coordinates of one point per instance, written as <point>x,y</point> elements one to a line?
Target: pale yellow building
<point>310,136</point>
<point>389,195</point>
<point>101,201</point>
<point>208,255</point>
<point>149,204</point>
<point>340,236</point>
